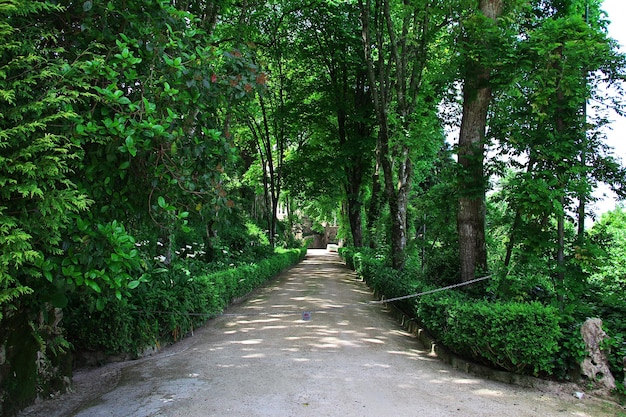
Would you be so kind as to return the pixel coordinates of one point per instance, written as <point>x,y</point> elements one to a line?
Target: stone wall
<point>321,240</point>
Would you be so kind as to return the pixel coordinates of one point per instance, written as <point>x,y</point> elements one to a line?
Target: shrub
<point>347,254</point>
<point>518,337</point>
<point>168,306</point>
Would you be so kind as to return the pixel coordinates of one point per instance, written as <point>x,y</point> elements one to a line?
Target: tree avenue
<point>147,143</point>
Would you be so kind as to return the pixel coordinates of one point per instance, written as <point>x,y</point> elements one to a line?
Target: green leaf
<point>161,202</point>
<point>93,285</point>
<point>130,145</point>
<point>133,284</point>
<point>101,303</point>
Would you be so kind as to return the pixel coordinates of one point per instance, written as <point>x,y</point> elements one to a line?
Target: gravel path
<point>258,361</point>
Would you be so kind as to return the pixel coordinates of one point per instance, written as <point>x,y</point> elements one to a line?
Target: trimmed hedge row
<point>169,306</point>
<point>518,337</point>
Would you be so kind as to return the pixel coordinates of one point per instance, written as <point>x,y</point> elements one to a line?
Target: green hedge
<point>170,305</point>
<point>518,337</point>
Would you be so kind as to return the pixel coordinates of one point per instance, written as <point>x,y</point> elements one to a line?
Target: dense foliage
<point>148,147</point>
<point>524,336</point>
<point>170,305</point>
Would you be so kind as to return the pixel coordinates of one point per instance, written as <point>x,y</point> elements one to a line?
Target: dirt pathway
<point>350,361</point>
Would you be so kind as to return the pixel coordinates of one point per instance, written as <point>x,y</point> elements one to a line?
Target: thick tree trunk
<point>398,210</point>
<point>354,217</point>
<point>398,198</point>
<point>373,211</point>
<point>353,192</point>
<point>362,130</point>
<point>353,179</point>
<point>471,209</point>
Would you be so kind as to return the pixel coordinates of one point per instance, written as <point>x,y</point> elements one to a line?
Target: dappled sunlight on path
<point>308,345</point>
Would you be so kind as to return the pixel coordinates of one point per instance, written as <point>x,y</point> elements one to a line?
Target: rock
<point>596,365</point>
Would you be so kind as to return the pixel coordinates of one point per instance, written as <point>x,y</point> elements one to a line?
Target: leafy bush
<point>518,337</point>
<point>531,284</point>
<point>441,265</point>
<point>167,306</point>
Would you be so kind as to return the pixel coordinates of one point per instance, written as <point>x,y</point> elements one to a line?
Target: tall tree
<point>480,34</point>
<point>563,61</point>
<point>269,135</point>
<point>332,45</point>
<point>270,118</point>
<point>396,42</point>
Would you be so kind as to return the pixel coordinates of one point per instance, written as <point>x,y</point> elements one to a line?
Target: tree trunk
<point>354,217</point>
<point>393,159</point>
<point>471,212</point>
<point>471,229</point>
<point>353,191</point>
<point>353,172</point>
<point>397,198</point>
<point>373,211</point>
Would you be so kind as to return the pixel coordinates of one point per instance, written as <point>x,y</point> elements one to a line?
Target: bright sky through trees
<point>616,10</point>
